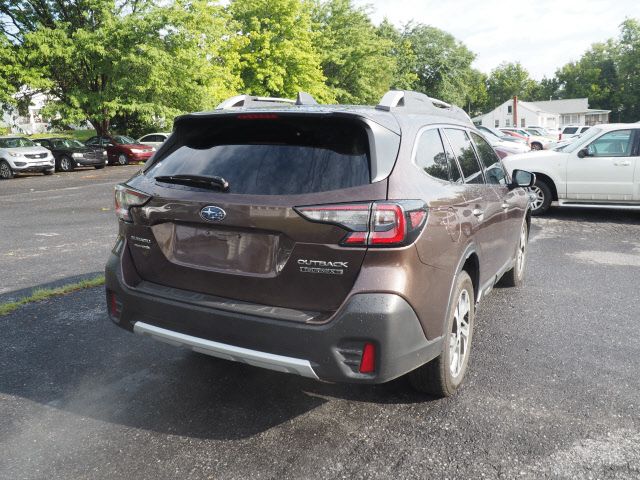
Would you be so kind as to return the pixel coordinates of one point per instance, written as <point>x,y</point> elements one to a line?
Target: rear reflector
<point>368,361</point>
<point>114,305</point>
<point>375,224</point>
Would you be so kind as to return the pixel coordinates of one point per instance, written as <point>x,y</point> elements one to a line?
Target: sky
<point>542,35</point>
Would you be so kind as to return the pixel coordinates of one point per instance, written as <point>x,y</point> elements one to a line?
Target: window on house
<point>507,122</point>
<point>522,123</point>
<point>496,124</point>
<point>510,109</point>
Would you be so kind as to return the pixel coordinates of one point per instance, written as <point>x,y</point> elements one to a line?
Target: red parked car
<point>122,150</point>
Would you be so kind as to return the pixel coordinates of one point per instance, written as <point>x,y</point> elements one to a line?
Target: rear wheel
<point>442,376</point>
<point>66,164</point>
<point>514,277</point>
<point>536,146</point>
<point>122,159</point>
<point>543,197</point>
<point>5,170</point>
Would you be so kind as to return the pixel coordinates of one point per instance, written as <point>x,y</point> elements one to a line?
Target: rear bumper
<point>329,351</point>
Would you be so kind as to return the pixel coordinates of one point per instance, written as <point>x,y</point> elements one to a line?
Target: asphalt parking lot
<point>553,390</point>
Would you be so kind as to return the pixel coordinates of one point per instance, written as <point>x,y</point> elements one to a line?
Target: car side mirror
<point>583,152</point>
<point>522,179</point>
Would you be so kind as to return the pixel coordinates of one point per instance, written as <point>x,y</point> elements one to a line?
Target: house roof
<point>569,105</point>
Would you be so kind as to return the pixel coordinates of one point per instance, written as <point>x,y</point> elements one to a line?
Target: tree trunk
<point>101,126</point>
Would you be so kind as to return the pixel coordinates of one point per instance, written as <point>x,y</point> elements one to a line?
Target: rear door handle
<point>622,163</point>
<point>477,212</point>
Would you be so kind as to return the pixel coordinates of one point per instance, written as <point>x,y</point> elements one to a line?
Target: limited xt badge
<point>321,266</point>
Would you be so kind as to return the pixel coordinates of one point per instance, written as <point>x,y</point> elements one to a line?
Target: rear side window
<point>271,156</point>
<point>467,159</point>
<point>494,172</point>
<point>431,157</point>
<point>570,130</point>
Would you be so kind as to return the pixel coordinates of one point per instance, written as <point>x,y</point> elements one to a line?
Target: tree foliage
<point>279,56</point>
<point>355,59</point>
<point>507,80</point>
<point>134,64</point>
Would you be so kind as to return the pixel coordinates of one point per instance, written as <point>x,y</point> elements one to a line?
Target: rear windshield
<point>271,156</point>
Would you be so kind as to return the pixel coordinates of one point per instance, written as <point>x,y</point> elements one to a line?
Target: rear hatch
<point>249,243</point>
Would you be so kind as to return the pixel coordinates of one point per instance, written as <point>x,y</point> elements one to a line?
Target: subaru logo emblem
<point>212,213</point>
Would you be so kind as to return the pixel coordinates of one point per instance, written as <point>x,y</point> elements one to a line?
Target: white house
<point>549,114</point>
<point>30,123</point>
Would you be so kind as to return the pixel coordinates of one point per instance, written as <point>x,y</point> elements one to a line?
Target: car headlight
<point>77,155</point>
<point>15,154</point>
<point>136,150</point>
<point>104,153</point>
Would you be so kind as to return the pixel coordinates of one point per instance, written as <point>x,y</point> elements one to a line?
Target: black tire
<point>544,195</point>
<point>48,172</point>
<point>515,276</point>
<point>5,170</point>
<point>98,167</point>
<point>122,159</point>
<point>536,146</point>
<point>66,164</point>
<point>436,377</point>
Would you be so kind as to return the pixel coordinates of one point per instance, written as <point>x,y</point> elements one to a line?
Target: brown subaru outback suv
<point>341,243</point>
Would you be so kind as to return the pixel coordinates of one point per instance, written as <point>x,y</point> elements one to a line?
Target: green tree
<point>507,80</point>
<point>278,56</point>
<point>594,76</point>
<point>545,89</point>
<point>443,64</point>
<point>401,50</point>
<point>357,62</point>
<point>629,71</point>
<point>101,58</point>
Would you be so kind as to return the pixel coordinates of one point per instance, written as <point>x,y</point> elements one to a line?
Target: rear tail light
<point>377,224</point>
<point>127,197</point>
<point>114,305</point>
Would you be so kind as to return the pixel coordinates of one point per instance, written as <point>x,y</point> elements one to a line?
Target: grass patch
<point>80,135</point>
<point>45,293</point>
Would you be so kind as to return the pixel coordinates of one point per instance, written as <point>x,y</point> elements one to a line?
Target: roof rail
<point>247,101</point>
<point>417,102</point>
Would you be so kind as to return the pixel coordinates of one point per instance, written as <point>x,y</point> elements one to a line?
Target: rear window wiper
<point>214,182</point>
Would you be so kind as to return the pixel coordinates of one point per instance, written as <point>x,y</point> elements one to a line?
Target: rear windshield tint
<point>272,156</point>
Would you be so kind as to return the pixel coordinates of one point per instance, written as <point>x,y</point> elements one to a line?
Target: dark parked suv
<point>340,243</point>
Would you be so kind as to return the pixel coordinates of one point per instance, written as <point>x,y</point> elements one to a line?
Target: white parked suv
<point>572,131</point>
<point>154,139</point>
<point>599,169</point>
<point>21,155</point>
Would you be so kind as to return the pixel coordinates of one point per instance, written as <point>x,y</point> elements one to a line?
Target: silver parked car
<point>154,139</point>
<point>21,155</point>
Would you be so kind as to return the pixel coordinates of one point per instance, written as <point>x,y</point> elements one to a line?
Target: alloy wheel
<point>122,159</point>
<point>65,164</point>
<point>459,338</point>
<point>5,170</point>
<point>539,197</point>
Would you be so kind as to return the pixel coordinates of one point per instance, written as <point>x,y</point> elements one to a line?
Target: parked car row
<point>46,155</point>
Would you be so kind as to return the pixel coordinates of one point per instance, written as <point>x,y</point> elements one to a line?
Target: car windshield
<point>16,142</point>
<point>582,139</point>
<point>124,140</point>
<point>66,143</point>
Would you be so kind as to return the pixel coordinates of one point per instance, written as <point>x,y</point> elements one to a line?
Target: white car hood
<point>27,150</point>
<point>535,159</point>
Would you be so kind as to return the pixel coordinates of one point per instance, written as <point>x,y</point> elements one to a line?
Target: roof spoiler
<point>409,101</point>
<point>248,101</point>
